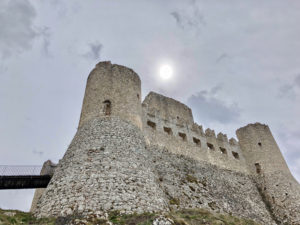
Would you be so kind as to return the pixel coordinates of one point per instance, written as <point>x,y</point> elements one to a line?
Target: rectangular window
<point>235,155</point>
<point>258,168</point>
<point>210,146</point>
<point>182,135</point>
<point>151,124</point>
<point>223,150</point>
<point>168,130</point>
<point>197,141</point>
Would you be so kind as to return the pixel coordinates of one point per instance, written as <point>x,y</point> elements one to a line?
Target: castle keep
<point>135,156</point>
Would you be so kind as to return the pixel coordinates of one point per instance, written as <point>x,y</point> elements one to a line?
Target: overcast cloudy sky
<point>235,62</point>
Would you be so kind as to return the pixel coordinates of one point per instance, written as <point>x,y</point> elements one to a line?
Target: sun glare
<point>165,72</point>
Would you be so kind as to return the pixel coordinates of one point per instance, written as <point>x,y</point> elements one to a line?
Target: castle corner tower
<point>278,187</point>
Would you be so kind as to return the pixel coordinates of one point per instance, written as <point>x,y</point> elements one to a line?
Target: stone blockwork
<point>105,168</point>
<point>190,184</point>
<point>151,156</point>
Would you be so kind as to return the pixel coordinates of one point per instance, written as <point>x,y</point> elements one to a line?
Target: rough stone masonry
<point>150,156</point>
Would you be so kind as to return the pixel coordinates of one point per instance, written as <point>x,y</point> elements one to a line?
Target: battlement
<point>169,124</point>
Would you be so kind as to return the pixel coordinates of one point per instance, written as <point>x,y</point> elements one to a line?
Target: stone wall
<point>188,138</point>
<point>188,183</point>
<point>108,167</point>
<point>105,168</point>
<point>168,108</point>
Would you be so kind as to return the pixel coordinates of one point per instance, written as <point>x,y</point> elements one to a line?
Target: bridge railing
<point>8,170</point>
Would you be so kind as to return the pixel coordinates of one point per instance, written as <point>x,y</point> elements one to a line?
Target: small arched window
<point>107,107</point>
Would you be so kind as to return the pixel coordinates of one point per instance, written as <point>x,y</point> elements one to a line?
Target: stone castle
<point>150,156</point>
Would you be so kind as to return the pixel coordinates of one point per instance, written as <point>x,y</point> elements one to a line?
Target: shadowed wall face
<point>112,90</point>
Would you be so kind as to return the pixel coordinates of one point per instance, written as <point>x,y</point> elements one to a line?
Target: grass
<point>182,217</point>
<point>201,216</point>
<point>12,217</point>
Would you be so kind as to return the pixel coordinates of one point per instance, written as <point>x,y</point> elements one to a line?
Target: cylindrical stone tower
<point>112,90</point>
<point>106,166</point>
<point>280,190</point>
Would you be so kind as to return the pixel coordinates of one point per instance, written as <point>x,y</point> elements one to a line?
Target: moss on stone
<point>191,179</point>
<point>174,201</point>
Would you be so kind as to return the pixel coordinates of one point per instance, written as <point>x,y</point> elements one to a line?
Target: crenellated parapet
<point>222,137</point>
<point>198,129</point>
<point>210,133</point>
<point>169,124</point>
<point>233,141</point>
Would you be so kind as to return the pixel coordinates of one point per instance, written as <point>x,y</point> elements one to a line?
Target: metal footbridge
<point>22,177</point>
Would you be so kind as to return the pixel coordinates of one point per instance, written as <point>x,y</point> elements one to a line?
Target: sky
<point>234,62</point>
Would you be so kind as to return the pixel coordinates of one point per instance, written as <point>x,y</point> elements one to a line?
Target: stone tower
<point>112,90</point>
<point>270,172</point>
<point>106,166</point>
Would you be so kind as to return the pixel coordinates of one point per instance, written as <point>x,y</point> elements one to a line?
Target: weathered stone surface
<point>105,168</point>
<point>134,157</point>
<point>190,184</point>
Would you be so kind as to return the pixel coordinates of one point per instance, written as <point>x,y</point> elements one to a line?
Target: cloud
<point>289,89</point>
<point>17,32</point>
<point>94,51</point>
<point>208,107</point>
<point>289,140</point>
<point>189,19</point>
<point>297,80</point>
<point>39,153</point>
<point>221,57</point>
<point>45,34</point>
<point>286,90</point>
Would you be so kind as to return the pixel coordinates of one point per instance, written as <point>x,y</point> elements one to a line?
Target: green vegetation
<point>133,219</point>
<point>183,217</point>
<point>191,179</point>
<point>174,201</point>
<point>201,216</point>
<point>11,217</point>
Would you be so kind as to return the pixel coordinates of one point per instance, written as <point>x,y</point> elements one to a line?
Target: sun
<point>165,72</point>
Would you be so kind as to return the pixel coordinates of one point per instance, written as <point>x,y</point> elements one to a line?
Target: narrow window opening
<point>168,130</point>
<point>107,107</point>
<point>151,124</point>
<point>138,96</point>
<point>259,144</point>
<point>197,141</point>
<point>258,168</point>
<point>235,155</point>
<point>273,199</point>
<point>210,146</point>
<point>182,135</point>
<point>223,150</point>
